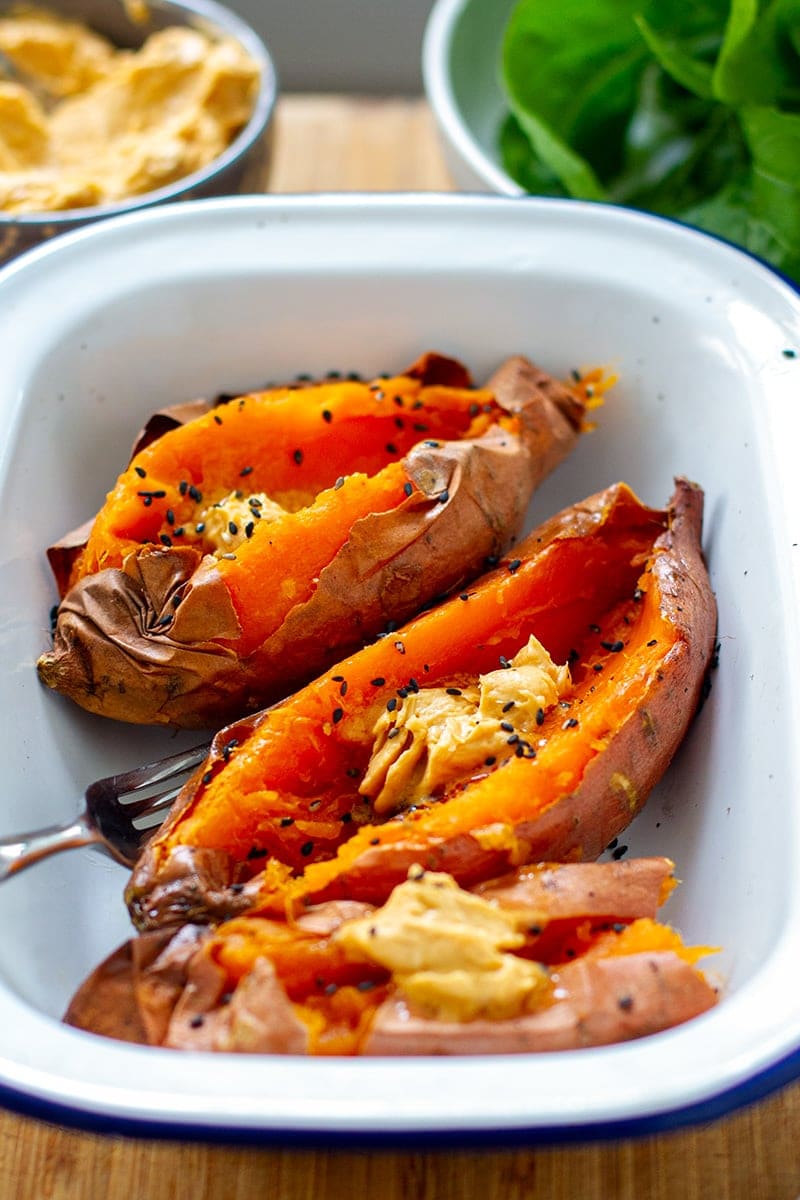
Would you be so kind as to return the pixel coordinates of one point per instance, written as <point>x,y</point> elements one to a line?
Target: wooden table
<point>337,143</point>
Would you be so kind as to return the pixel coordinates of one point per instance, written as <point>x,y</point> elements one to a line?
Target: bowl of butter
<point>107,106</point>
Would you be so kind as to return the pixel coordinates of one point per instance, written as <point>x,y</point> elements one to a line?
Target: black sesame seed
<point>789,353</point>
<point>391,704</point>
<point>343,688</point>
<point>285,822</point>
<point>507,726</point>
<point>512,741</point>
<point>217,419</point>
<point>233,528</point>
<point>613,647</point>
<point>140,471</point>
<point>165,539</point>
<point>195,494</point>
<point>570,723</point>
<point>378,681</point>
<point>653,642</point>
<point>197,1021</point>
<point>391,448</point>
<point>444,496</point>
<point>594,628</point>
<point>249,529</point>
<point>620,851</point>
<point>207,778</point>
<point>490,761</point>
<point>408,488</point>
<point>366,985</point>
<point>327,416</point>
<point>515,565</point>
<point>464,596</point>
<point>625,1003</point>
<point>347,817</point>
<point>306,849</point>
<point>246,471</point>
<point>298,456</point>
<point>420,427</point>
<point>399,422</point>
<point>338,713</point>
<point>540,716</point>
<point>453,691</point>
<point>199,528</point>
<point>508,706</point>
<point>597,667</point>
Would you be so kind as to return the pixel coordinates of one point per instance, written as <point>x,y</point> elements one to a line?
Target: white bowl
<point>220,295</point>
<point>461,76</point>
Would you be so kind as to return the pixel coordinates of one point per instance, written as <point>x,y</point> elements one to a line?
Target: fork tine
<point>151,804</point>
<point>155,772</point>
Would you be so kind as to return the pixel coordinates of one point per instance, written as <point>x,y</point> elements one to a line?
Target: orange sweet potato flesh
<point>274,820</point>
<point>393,491</point>
<point>259,984</point>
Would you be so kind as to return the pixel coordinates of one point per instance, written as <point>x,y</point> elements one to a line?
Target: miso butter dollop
<point>448,951</point>
<point>439,734</point>
<point>117,123</point>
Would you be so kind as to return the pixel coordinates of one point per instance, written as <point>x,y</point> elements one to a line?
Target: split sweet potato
<point>555,691</point>
<point>552,957</point>
<point>248,547</point>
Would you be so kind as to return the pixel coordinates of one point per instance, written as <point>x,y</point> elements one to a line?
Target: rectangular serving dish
<point>101,327</point>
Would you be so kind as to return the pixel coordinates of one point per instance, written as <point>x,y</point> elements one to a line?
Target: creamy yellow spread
<point>231,521</point>
<point>448,951</point>
<point>438,735</point>
<point>113,123</point>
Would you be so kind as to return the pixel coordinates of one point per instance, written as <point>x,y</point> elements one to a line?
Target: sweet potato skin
<point>170,988</point>
<point>179,879</point>
<point>605,1001</point>
<point>157,639</point>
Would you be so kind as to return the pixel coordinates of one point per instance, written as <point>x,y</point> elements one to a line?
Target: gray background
<point>342,45</point>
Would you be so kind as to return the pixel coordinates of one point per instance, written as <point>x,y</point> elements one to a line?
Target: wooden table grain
<point>338,143</point>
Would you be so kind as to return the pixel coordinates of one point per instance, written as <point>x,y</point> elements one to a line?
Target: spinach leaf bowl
<point>689,113</point>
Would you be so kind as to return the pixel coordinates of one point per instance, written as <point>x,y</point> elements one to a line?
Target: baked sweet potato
<point>553,957</point>
<point>526,719</point>
<point>247,548</point>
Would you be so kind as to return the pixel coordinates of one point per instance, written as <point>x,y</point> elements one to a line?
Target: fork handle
<point>25,849</point>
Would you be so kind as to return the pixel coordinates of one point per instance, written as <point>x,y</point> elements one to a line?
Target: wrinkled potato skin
<point>161,988</point>
<point>111,655</point>
<point>190,884</point>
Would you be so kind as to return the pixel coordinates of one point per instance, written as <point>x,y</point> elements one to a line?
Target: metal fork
<point>118,816</point>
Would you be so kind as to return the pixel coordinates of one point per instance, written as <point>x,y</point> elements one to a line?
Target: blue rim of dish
<point>758,1087</point>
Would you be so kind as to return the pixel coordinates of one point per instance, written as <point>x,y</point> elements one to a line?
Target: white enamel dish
<point>100,327</point>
